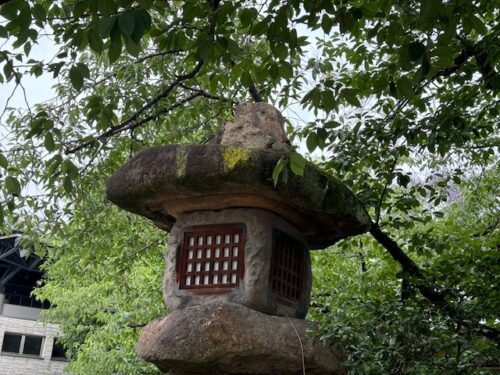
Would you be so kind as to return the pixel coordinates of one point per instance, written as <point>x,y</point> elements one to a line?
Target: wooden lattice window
<point>211,256</point>
<point>286,275</point>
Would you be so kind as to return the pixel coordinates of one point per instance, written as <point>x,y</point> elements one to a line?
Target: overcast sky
<point>37,89</point>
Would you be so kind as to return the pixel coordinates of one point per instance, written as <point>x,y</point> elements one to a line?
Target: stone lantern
<point>237,271</point>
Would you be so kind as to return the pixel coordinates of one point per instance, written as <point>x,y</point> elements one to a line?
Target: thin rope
<point>301,347</point>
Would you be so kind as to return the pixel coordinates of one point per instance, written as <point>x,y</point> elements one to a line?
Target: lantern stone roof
<point>163,182</point>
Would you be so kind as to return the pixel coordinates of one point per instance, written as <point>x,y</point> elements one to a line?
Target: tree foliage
<point>104,283</point>
<point>405,101</point>
<point>366,307</point>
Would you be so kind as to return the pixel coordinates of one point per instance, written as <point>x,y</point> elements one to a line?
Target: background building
<point>27,346</point>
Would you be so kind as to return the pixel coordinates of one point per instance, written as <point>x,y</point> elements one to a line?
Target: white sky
<point>37,89</point>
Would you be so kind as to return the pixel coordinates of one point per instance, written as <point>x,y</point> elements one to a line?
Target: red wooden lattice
<point>211,257</point>
<point>286,274</point>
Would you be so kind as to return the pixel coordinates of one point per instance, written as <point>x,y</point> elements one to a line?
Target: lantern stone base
<point>228,338</point>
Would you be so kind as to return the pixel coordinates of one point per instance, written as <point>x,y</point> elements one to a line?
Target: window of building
<point>11,343</point>
<point>16,343</point>
<point>286,274</point>
<point>211,256</point>
<point>58,351</point>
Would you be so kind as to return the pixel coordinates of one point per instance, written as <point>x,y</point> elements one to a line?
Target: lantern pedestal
<point>228,338</point>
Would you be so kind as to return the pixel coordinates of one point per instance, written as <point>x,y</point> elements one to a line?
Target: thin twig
<point>205,93</point>
<point>382,196</point>
<point>301,347</point>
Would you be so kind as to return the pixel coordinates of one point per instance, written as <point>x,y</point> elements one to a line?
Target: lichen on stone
<point>181,161</point>
<point>234,156</point>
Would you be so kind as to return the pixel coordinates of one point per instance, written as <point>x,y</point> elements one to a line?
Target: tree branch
<point>254,93</point>
<point>135,124</point>
<point>429,291</point>
<point>459,61</point>
<point>205,94</point>
<point>132,121</point>
<point>470,50</point>
<point>487,71</point>
<point>157,54</point>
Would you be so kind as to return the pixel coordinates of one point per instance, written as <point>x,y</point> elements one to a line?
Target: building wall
<point>23,365</point>
<point>21,312</point>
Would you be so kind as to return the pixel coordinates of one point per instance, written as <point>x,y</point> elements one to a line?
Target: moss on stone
<point>234,156</point>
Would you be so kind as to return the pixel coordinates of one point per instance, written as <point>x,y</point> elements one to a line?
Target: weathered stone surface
<point>255,125</point>
<point>164,182</point>
<point>254,290</point>
<point>232,339</point>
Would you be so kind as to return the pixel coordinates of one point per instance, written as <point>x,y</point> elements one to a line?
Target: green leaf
<point>11,8</point>
<point>24,19</point>
<point>403,180</point>
<point>467,25</point>
<point>328,100</point>
<point>115,44</point>
<point>297,163</point>
<point>106,26</point>
<point>39,12</point>
<point>312,141</point>
<point>76,77</point>
<point>27,48</point>
<point>415,50</point>
<point>7,69</point>
<point>326,23</point>
<point>247,16</point>
<point>49,142</point>
<point>322,136</point>
<point>132,47</point>
<point>278,169</point>
<point>146,4</point>
<point>233,48</point>
<point>142,24</point>
<point>351,98</point>
<point>344,19</point>
<point>3,161</point>
<point>356,12</point>
<point>95,40</point>
<point>84,70</point>
<point>405,87</point>
<point>430,8</point>
<point>286,70</point>
<point>274,70</point>
<point>279,50</point>
<point>426,66</point>
<point>404,57</point>
<point>260,27</point>
<point>36,70</point>
<point>67,184</point>
<point>12,185</point>
<point>478,25</point>
<point>106,7</point>
<point>70,169</point>
<point>126,21</point>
